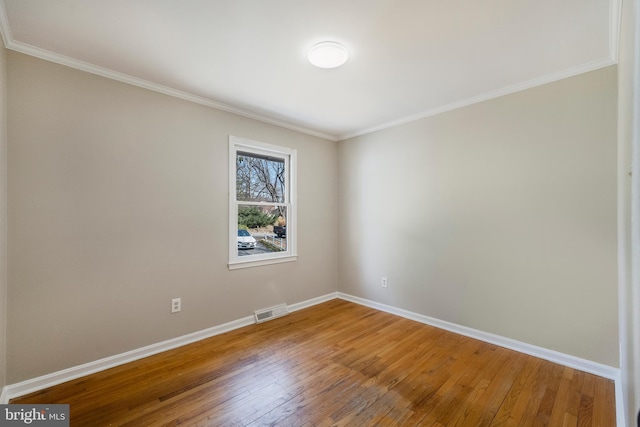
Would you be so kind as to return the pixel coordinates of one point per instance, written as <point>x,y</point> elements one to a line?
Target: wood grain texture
<point>337,364</point>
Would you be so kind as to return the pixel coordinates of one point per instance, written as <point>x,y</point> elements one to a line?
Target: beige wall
<point>118,202</point>
<point>3,218</point>
<point>500,216</point>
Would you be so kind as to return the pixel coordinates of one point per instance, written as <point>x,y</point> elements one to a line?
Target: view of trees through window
<point>261,182</point>
<point>260,178</point>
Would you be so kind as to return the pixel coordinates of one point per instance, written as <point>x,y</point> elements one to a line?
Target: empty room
<point>305,213</point>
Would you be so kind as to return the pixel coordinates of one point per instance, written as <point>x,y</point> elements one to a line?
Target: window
<point>262,208</point>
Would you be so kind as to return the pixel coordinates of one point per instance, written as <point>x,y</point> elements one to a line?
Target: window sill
<point>236,265</point>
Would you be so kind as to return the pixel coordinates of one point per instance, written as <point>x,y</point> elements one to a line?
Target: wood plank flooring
<point>337,364</point>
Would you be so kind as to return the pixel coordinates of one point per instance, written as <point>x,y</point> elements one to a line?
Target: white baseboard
<point>19,389</point>
<point>29,386</point>
<point>580,364</point>
<point>313,301</point>
<point>4,398</point>
<point>532,350</point>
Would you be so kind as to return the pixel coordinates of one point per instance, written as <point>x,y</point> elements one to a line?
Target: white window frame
<point>260,148</point>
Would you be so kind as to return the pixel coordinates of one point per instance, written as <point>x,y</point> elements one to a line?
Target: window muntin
<point>261,201</point>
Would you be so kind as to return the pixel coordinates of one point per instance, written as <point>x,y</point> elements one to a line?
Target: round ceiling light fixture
<point>328,55</point>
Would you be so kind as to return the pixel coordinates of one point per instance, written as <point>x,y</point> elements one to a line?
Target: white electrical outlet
<point>176,305</point>
<point>385,282</point>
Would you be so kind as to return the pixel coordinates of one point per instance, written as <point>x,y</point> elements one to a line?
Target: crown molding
<point>165,90</point>
<point>485,97</point>
<point>11,44</point>
<point>615,15</point>
<point>614,38</point>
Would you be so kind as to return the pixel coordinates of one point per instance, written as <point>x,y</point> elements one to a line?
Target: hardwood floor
<point>341,364</point>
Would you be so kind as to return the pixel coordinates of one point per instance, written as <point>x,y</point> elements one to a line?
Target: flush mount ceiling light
<point>328,55</point>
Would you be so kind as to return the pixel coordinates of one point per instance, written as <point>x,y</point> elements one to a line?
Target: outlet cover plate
<point>176,305</point>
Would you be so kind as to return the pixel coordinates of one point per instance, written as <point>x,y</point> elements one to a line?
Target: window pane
<point>262,202</point>
<point>260,178</point>
<point>261,229</point>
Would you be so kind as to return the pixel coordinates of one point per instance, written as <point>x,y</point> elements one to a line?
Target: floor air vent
<point>271,313</point>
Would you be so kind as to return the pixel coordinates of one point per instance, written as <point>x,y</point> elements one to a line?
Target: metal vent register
<point>271,313</point>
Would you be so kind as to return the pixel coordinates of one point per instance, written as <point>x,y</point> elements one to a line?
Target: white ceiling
<point>409,58</point>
